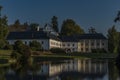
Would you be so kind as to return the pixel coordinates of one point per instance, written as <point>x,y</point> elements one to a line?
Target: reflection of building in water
<point>83,69</point>
<point>82,66</point>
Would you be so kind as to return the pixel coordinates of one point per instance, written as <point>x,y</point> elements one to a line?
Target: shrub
<point>99,50</point>
<point>35,46</point>
<point>8,47</point>
<point>57,50</point>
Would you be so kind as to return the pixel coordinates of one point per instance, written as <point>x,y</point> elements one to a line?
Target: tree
<point>54,23</point>
<point>34,26</point>
<point>3,29</point>
<point>118,17</point>
<point>17,23</point>
<point>17,26</point>
<point>113,40</point>
<point>92,30</point>
<point>36,46</point>
<point>18,45</point>
<point>21,53</point>
<point>69,27</point>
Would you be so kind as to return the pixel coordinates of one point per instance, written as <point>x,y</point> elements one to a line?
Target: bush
<point>18,46</point>
<point>15,55</point>
<point>35,46</point>
<point>2,43</point>
<point>8,47</point>
<point>99,51</point>
<point>57,50</point>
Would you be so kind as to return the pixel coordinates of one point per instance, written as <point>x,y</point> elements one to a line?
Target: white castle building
<point>50,39</point>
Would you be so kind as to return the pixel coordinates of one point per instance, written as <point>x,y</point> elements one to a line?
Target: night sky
<point>96,13</point>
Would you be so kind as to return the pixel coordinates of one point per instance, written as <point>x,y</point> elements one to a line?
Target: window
<point>81,49</point>
<point>56,44</point>
<point>103,44</point>
<point>63,44</point>
<point>68,44</point>
<point>86,44</point>
<point>25,42</point>
<point>73,44</point>
<point>42,42</point>
<point>92,44</point>
<point>81,44</point>
<point>73,49</point>
<point>98,44</point>
<point>86,49</point>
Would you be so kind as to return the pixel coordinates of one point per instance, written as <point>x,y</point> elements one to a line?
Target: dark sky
<point>97,13</point>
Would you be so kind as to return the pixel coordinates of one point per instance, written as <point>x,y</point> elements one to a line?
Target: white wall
<point>81,46</point>
<point>89,44</point>
<point>54,44</point>
<point>72,46</point>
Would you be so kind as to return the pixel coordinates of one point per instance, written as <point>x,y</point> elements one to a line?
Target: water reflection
<point>77,69</point>
<point>80,66</point>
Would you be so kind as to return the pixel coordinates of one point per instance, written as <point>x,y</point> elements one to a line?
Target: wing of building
<point>85,42</point>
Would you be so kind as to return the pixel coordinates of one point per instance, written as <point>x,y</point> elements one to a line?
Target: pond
<point>72,69</point>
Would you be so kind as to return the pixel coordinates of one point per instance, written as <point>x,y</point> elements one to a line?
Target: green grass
<point>5,54</point>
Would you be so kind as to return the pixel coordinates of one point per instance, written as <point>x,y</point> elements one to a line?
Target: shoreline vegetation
<point>5,54</point>
<point>6,60</point>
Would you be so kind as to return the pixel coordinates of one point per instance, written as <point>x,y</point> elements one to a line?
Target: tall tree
<point>54,23</point>
<point>113,40</point>
<point>3,29</point>
<point>17,23</point>
<point>69,27</point>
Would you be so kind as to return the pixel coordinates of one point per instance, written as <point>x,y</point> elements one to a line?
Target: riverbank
<point>79,55</point>
<point>5,54</point>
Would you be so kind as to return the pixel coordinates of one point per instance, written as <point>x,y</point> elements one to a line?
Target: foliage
<point>17,26</point>
<point>2,43</point>
<point>15,55</point>
<point>92,30</point>
<point>21,52</point>
<point>69,27</point>
<point>118,17</point>
<point>8,47</point>
<point>99,50</point>
<point>3,30</point>
<point>18,46</point>
<point>17,23</point>
<point>57,50</point>
<point>54,23</point>
<point>113,40</point>
<point>35,46</point>
<point>34,26</point>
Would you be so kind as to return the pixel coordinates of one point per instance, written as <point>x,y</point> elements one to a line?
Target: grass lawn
<point>5,54</point>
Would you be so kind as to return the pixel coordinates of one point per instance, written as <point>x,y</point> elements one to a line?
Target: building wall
<point>88,44</point>
<point>84,45</point>
<point>54,44</point>
<point>70,46</point>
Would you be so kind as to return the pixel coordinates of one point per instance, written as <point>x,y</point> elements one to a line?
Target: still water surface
<point>75,69</point>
